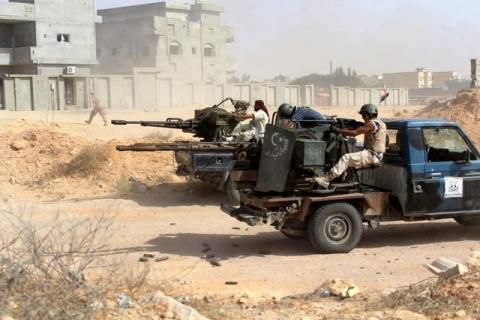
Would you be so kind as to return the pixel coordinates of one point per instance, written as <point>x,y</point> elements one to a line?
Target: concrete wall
<point>345,96</point>
<point>146,92</point>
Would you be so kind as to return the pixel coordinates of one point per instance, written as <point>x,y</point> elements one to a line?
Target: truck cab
<point>430,167</point>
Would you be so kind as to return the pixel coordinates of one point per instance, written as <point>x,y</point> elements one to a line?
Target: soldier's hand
<point>335,129</point>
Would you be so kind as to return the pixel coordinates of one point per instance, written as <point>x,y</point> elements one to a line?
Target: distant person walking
<point>97,108</point>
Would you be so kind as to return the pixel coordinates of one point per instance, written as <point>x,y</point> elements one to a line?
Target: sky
<point>299,37</point>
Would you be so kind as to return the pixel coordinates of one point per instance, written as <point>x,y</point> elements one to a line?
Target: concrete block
<point>446,268</point>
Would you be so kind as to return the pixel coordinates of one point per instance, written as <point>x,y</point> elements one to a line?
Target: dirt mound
<point>464,109</point>
<point>57,165</point>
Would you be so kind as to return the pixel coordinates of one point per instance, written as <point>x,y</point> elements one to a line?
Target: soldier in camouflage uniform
<point>375,132</point>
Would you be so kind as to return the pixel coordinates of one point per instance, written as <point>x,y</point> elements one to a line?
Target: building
<point>171,40</point>
<point>48,41</point>
<point>441,78</point>
<point>420,78</point>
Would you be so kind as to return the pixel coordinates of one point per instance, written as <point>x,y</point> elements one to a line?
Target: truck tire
<point>335,228</point>
<point>232,192</point>
<point>472,221</point>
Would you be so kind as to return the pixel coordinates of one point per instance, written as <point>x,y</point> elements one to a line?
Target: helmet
<point>285,110</point>
<point>369,109</point>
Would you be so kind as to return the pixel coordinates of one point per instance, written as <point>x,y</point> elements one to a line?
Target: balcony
<point>5,56</point>
<point>12,12</point>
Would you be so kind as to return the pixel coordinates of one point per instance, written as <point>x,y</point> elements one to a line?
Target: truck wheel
<point>473,221</point>
<point>232,192</point>
<point>335,228</point>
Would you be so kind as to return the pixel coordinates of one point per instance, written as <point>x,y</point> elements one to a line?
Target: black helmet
<point>285,110</point>
<point>369,109</point>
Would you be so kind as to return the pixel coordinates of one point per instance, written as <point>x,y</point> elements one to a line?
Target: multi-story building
<point>178,40</point>
<point>46,39</point>
<point>441,78</point>
<point>420,78</point>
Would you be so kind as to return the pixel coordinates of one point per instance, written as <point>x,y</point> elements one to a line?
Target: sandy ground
<point>175,219</point>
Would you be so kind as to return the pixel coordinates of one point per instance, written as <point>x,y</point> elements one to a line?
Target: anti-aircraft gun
<point>215,155</point>
<point>209,124</point>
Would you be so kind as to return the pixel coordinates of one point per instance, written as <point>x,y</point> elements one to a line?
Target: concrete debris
<point>474,259</point>
<point>340,288</point>
<point>446,268</point>
<point>124,301</point>
<point>175,308</point>
<point>18,145</point>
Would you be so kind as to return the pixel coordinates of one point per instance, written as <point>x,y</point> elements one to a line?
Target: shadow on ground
<point>238,245</point>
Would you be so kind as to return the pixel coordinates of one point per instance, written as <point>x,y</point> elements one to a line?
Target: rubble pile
<point>54,163</point>
<point>455,297</point>
<point>464,109</point>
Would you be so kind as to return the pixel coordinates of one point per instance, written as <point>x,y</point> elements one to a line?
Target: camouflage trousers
<point>357,160</point>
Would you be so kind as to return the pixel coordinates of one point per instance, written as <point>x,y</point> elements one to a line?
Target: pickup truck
<point>430,171</point>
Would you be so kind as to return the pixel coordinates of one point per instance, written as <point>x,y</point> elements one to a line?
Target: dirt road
<point>177,224</point>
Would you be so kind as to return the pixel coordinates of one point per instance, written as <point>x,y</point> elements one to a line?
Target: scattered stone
<point>161,259</point>
<point>446,268</point>
<point>173,224</point>
<point>231,283</point>
<point>30,136</point>
<point>143,259</point>
<point>214,262</point>
<point>12,180</point>
<point>18,145</point>
<point>474,259</point>
<point>149,255</point>
<point>124,301</point>
<point>340,288</point>
<point>322,293</point>
<point>461,314</point>
<point>178,310</point>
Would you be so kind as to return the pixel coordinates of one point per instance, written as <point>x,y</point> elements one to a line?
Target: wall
<point>345,96</point>
<point>145,92</point>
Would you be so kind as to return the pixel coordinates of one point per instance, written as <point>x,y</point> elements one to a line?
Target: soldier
<point>259,120</point>
<point>303,116</point>
<point>375,132</point>
<point>96,108</point>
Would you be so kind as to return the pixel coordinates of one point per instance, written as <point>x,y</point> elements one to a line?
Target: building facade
<point>420,78</point>
<point>45,39</point>
<point>186,42</point>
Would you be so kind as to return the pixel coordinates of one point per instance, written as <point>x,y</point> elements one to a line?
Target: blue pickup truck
<point>430,170</point>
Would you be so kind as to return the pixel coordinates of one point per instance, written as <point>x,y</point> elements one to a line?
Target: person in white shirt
<point>259,120</point>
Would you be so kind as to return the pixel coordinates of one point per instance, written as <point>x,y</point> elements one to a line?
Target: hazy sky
<point>298,37</point>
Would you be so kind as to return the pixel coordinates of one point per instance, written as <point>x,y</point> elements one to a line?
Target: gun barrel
<point>172,123</point>
<point>189,146</point>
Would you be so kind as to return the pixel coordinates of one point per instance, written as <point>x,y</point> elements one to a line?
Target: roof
<point>419,122</point>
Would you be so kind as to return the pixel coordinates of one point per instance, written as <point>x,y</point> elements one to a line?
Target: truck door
<point>452,172</point>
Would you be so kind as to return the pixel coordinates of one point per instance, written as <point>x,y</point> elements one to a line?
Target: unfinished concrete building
<point>50,41</point>
<point>178,40</point>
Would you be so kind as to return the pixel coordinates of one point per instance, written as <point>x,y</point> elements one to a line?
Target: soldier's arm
<point>367,127</point>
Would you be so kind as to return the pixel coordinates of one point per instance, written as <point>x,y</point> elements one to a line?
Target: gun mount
<point>209,124</point>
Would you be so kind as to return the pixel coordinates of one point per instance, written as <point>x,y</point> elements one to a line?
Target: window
<point>446,144</point>
<point>394,142</point>
<point>174,49</point>
<point>209,51</point>
<point>194,51</point>
<point>62,37</point>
